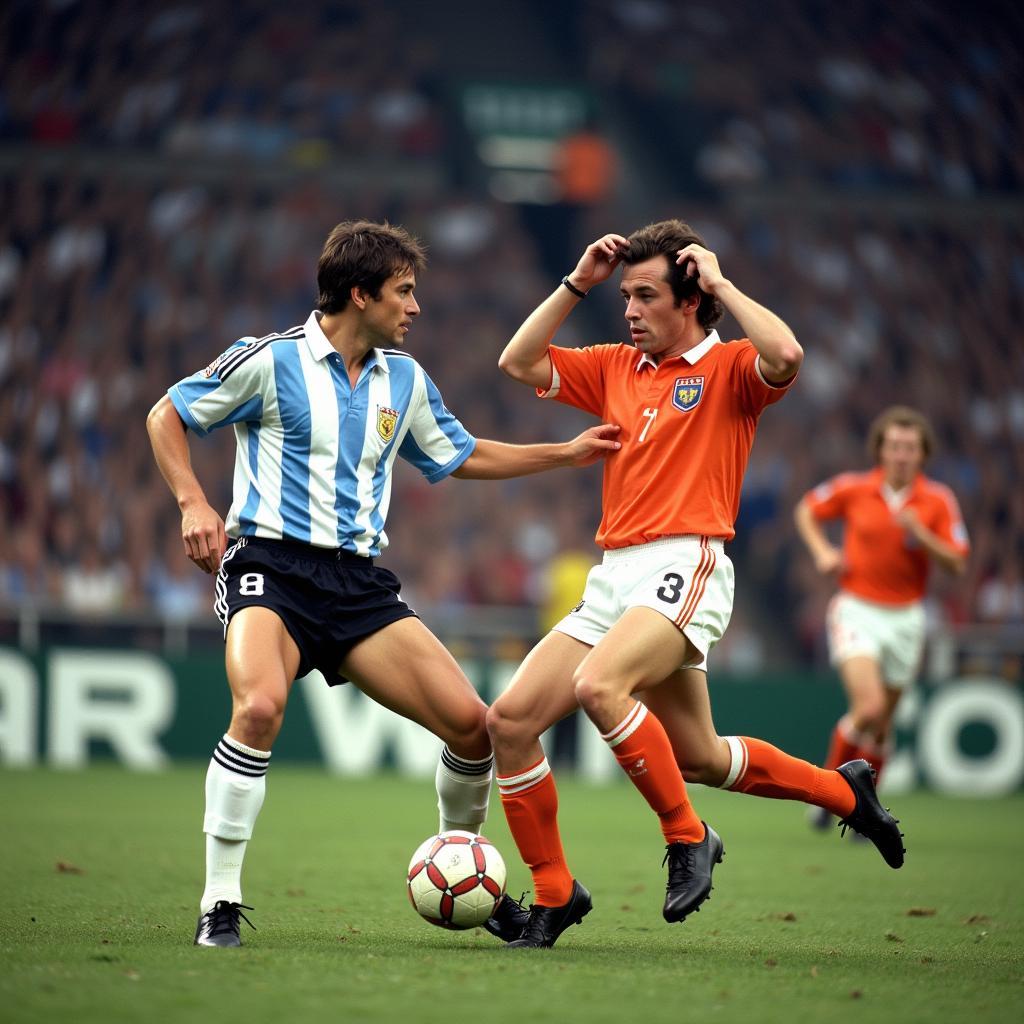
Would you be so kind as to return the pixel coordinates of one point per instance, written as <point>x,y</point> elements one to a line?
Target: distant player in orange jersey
<point>896,523</point>
<point>633,653</point>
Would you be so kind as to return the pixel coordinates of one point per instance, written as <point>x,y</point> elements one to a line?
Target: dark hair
<point>362,254</point>
<point>666,238</point>
<point>900,416</point>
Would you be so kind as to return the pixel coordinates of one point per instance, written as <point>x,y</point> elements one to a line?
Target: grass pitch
<point>101,872</point>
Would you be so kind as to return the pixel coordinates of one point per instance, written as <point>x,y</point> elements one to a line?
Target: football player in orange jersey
<point>633,653</point>
<point>896,523</point>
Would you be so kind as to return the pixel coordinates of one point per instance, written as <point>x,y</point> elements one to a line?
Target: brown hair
<point>362,254</point>
<point>666,238</point>
<point>900,416</point>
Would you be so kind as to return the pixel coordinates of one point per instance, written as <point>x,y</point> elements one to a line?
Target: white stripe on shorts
<point>220,601</point>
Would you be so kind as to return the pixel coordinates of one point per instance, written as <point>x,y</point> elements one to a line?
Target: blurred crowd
<point>113,287</point>
<point>307,83</point>
<point>820,95</point>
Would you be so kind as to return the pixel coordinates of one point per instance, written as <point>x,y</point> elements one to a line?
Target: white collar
<point>321,348</point>
<point>692,355</point>
<point>896,499</point>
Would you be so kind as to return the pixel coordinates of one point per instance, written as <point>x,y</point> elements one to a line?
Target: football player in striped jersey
<point>320,412</point>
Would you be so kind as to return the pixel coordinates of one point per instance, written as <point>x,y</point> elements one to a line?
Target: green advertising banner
<point>67,706</point>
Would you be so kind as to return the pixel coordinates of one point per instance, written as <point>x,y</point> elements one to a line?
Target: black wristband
<point>576,291</point>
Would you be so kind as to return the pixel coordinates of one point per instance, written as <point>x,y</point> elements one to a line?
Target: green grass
<point>101,872</point>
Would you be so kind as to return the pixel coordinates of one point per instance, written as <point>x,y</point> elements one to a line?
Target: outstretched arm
<point>202,530</point>
<point>492,460</point>
<point>526,356</point>
<point>779,353</point>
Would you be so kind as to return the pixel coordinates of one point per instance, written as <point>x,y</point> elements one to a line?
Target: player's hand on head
<point>702,264</point>
<point>202,532</point>
<point>598,261</point>
<point>593,444</point>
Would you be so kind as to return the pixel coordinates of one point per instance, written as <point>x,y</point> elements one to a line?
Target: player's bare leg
<point>261,660</point>
<point>865,693</point>
<point>882,734</point>
<point>405,668</point>
<point>637,653</point>
<point>540,694</point>
<point>867,716</point>
<point>683,706</point>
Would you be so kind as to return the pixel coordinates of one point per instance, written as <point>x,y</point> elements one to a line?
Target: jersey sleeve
<point>948,522</point>
<point>436,442</point>
<point>229,390</point>
<point>755,392</point>
<point>829,500</point>
<point>577,377</point>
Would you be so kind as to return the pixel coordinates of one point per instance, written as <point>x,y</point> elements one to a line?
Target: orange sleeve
<point>754,391</point>
<point>948,522</point>
<point>829,499</point>
<point>577,377</point>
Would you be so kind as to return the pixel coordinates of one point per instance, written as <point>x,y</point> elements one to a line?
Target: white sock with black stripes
<point>463,791</point>
<point>235,787</point>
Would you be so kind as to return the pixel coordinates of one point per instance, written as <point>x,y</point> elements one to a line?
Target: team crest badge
<point>387,420</point>
<point>686,392</point>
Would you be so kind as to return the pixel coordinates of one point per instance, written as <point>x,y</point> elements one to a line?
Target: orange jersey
<point>881,561</point>
<point>687,428</point>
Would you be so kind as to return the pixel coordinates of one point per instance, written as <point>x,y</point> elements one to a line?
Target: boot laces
<point>535,930</point>
<point>680,860</point>
<point>224,917</point>
<point>522,899</point>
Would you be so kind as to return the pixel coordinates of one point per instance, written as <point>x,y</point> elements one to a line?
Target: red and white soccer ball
<point>456,879</point>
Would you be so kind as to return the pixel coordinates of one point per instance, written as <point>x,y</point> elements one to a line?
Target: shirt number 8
<point>251,584</point>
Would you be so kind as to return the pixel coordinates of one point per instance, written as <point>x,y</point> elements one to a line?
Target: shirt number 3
<point>673,587</point>
<point>650,415</point>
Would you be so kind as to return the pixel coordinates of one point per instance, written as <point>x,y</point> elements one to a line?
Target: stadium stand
<point>157,207</point>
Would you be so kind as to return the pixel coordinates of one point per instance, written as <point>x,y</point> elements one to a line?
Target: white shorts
<point>892,635</point>
<point>687,579</point>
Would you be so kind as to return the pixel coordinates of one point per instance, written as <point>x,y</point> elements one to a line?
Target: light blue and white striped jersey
<point>314,456</point>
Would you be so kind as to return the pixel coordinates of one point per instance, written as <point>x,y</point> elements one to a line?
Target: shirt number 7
<point>650,415</point>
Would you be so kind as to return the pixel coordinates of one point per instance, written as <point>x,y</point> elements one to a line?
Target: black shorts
<point>328,599</point>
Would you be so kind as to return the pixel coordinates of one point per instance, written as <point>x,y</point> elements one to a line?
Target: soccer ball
<point>456,879</point>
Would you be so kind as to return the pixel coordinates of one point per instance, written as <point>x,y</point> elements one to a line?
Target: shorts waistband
<point>882,606</point>
<point>614,554</point>
<point>296,547</point>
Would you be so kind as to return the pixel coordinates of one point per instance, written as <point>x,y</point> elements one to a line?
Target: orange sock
<point>760,769</point>
<point>844,745</point>
<point>530,802</point>
<point>876,754</point>
<point>641,746</point>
